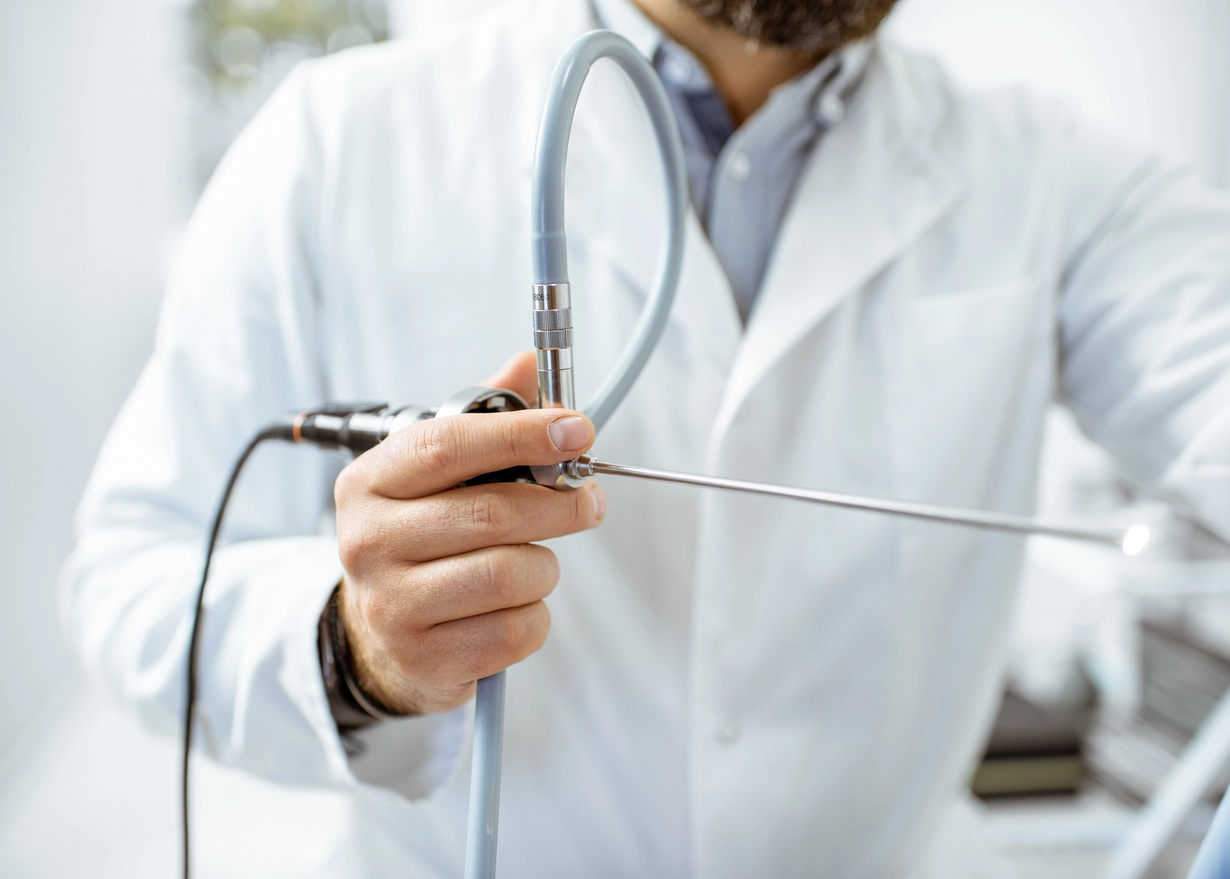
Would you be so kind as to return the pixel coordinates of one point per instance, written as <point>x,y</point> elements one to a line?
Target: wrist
<point>352,705</point>
<point>369,664</point>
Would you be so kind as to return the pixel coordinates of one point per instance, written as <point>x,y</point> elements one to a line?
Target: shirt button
<point>739,167</point>
<point>676,68</point>
<point>830,109</point>
<point>727,732</point>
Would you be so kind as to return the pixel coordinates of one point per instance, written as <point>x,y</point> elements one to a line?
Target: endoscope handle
<point>357,427</point>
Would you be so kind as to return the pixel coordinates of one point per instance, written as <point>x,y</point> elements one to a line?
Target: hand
<point>443,585</point>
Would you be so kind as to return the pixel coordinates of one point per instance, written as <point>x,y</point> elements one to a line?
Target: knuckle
<point>436,445</point>
<point>507,638</point>
<point>499,578</point>
<point>534,624</point>
<point>481,658</point>
<point>344,486</point>
<point>542,565</point>
<point>358,548</point>
<point>509,434</point>
<point>541,626</point>
<point>510,632</point>
<point>550,568</point>
<point>447,696</point>
<point>488,513</point>
<point>492,648</point>
<point>581,508</point>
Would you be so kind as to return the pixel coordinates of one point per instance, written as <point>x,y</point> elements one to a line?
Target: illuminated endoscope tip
<point>1135,540</point>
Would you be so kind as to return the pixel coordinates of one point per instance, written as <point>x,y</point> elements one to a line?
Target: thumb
<point>520,374</point>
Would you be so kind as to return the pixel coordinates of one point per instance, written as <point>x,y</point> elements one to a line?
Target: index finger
<point>434,455</point>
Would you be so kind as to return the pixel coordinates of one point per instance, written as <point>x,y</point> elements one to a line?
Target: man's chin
<point>797,25</point>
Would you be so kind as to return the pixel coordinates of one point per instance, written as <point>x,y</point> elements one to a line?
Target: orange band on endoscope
<point>297,430</point>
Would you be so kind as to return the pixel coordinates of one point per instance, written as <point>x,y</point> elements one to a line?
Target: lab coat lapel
<point>873,185</point>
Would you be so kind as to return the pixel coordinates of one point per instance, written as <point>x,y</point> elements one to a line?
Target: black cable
<point>272,432</point>
<point>328,427</point>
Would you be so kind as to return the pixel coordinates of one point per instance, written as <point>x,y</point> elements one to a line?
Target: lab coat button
<point>727,732</point>
<point>740,167</point>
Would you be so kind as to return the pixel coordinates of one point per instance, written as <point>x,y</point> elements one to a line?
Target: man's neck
<point>744,71</point>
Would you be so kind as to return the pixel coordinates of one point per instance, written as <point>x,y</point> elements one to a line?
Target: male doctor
<point>887,282</point>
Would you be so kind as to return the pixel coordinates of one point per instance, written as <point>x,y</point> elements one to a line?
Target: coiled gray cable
<point>550,252</point>
<point>550,267</point>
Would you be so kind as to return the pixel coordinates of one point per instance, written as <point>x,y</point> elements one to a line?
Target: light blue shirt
<point>742,178</point>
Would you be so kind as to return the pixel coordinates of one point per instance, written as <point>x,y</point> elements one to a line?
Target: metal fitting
<point>569,474</point>
<point>552,318</point>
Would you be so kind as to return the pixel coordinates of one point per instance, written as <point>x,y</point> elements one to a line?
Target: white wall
<point>1149,70</point>
<point>417,16</point>
<point>90,183</point>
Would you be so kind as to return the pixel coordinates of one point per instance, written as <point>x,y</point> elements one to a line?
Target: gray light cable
<point>553,341</point>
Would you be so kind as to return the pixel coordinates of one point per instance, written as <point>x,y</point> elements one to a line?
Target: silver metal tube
<point>552,318</point>
<point>1130,540</point>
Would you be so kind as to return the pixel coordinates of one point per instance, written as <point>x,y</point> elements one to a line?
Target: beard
<point>797,25</point>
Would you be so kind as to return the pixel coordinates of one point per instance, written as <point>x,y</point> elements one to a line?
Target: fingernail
<point>570,434</point>
<point>598,496</point>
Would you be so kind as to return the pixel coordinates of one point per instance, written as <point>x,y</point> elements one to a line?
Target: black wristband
<point>352,707</point>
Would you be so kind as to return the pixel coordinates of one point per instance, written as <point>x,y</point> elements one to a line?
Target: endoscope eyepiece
<point>352,426</point>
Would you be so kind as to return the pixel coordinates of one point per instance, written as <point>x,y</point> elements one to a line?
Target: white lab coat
<point>733,687</point>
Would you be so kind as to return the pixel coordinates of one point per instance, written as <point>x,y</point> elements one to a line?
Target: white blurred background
<point>112,115</point>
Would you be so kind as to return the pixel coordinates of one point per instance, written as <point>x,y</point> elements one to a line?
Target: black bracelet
<point>352,707</point>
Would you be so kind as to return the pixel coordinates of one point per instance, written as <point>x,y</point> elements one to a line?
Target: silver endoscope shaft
<point>1130,540</point>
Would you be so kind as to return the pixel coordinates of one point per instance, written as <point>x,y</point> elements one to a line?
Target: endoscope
<point>359,427</point>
